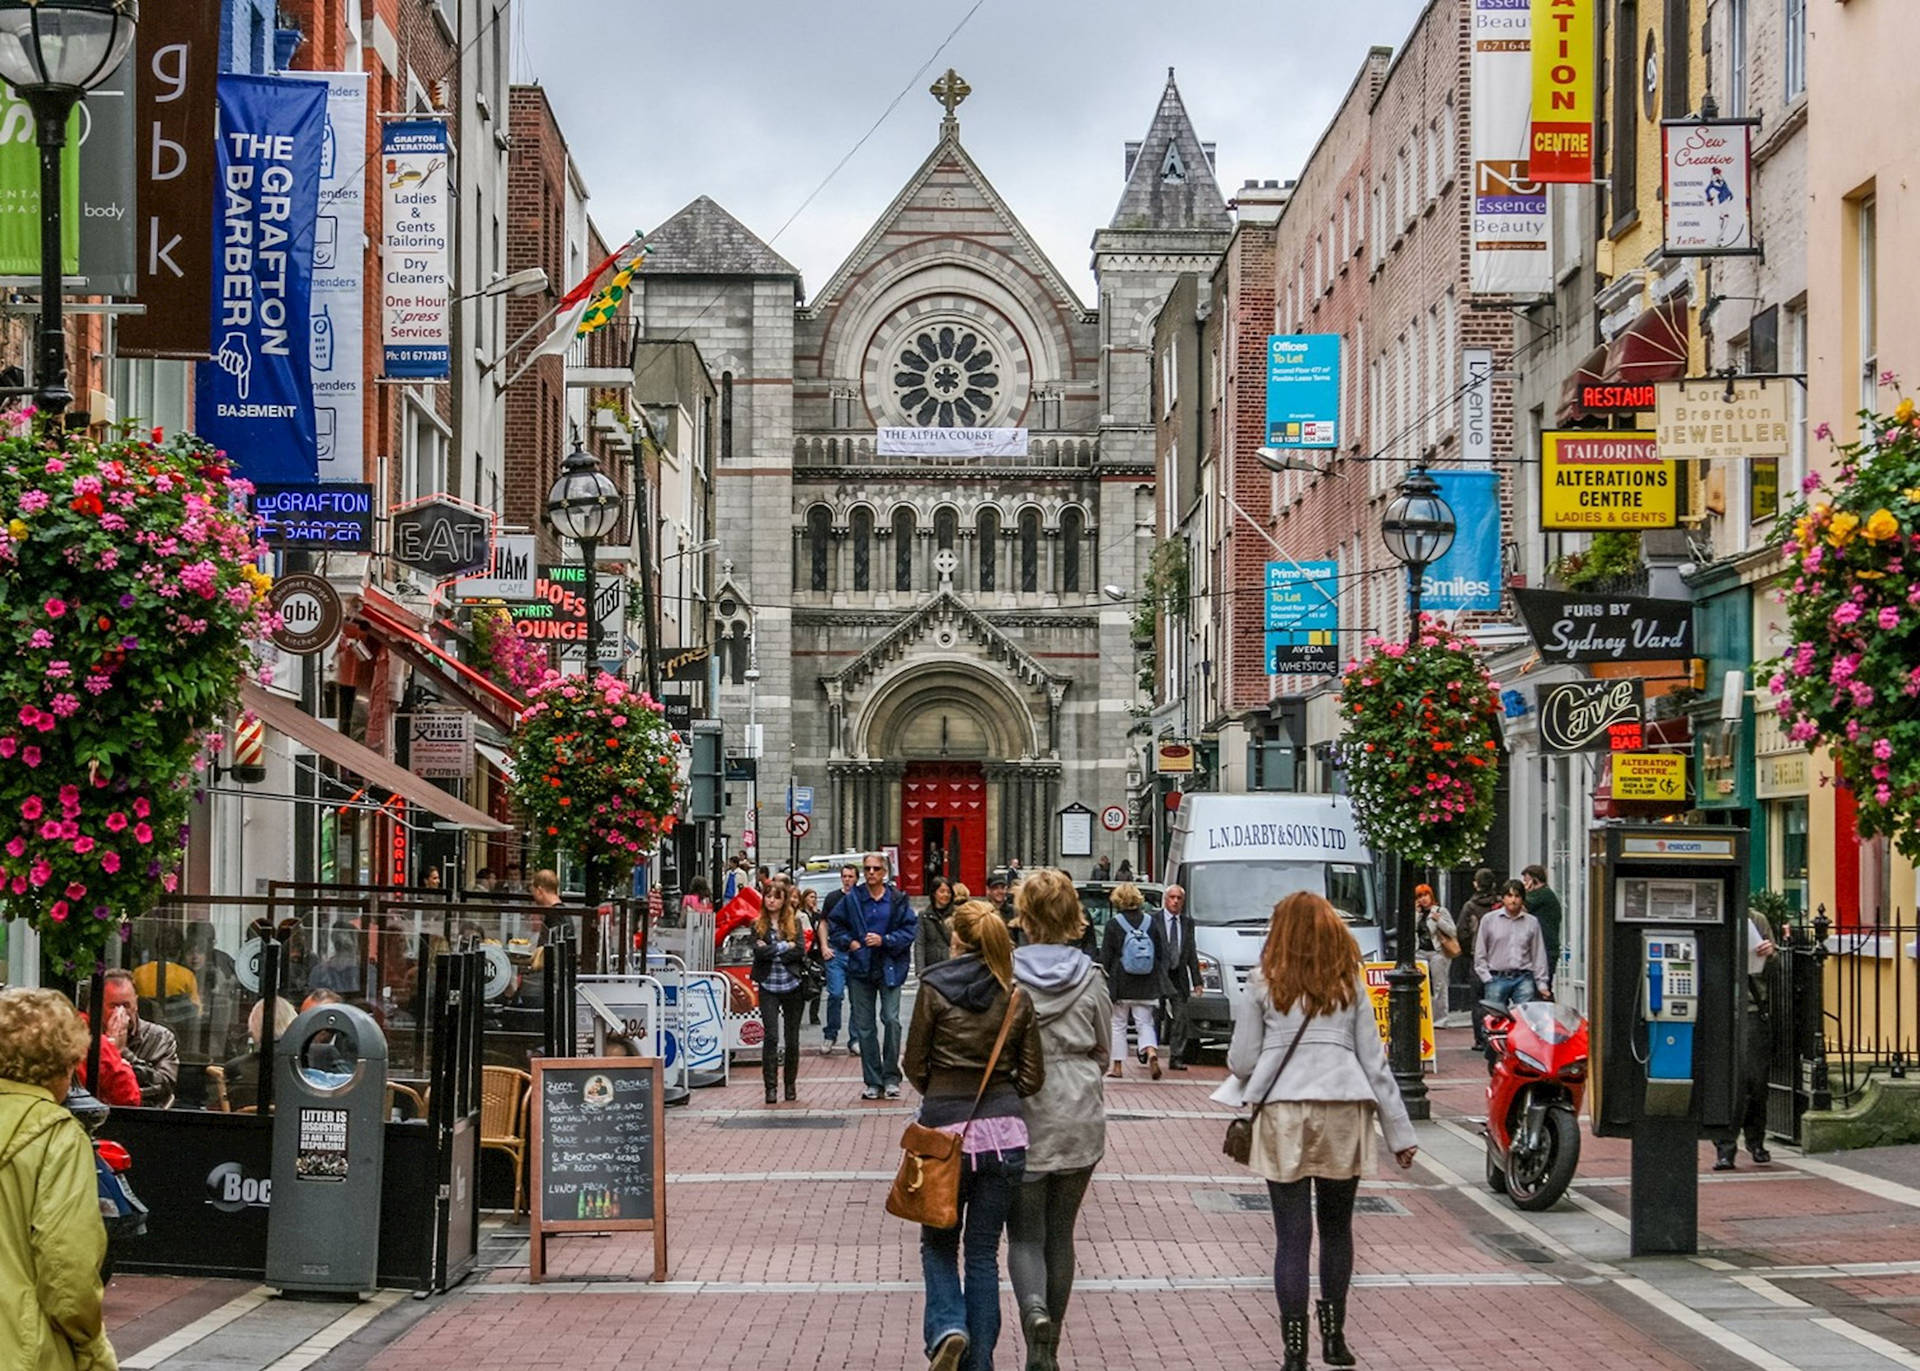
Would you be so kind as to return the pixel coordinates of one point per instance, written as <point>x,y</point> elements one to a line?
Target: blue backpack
<point>1136,949</point>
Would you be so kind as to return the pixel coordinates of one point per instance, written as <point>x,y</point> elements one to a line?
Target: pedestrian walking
<point>51,1238</point>
<point>1306,1054</point>
<point>1125,871</point>
<point>973,1054</point>
<point>1509,954</point>
<point>1749,1112</point>
<point>1465,992</point>
<point>931,940</point>
<point>873,926</point>
<point>834,964</point>
<point>779,965</point>
<point>1067,1119</point>
<point>1544,905</point>
<point>1102,870</point>
<point>806,905</point>
<point>1134,954</point>
<point>1433,931</point>
<point>1183,975</point>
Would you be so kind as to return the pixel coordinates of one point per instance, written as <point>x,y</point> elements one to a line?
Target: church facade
<point>924,639</point>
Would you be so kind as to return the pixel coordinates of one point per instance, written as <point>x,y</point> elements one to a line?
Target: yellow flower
<point>1903,412</point>
<point>1870,575</point>
<point>1840,532</point>
<point>1912,493</point>
<point>17,529</point>
<point>1882,525</point>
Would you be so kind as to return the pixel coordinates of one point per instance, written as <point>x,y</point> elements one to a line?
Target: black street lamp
<point>1418,528</point>
<point>52,52</point>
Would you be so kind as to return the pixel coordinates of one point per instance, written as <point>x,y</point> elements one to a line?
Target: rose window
<point>947,377</point>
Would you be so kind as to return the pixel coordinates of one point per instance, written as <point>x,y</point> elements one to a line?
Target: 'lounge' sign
<point>1606,628</point>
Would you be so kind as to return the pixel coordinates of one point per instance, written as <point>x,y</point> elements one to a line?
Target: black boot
<point>1723,1156</point>
<point>1293,1336</point>
<point>1042,1335</point>
<point>1333,1333</point>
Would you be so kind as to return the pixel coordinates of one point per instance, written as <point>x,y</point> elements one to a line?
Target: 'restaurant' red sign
<point>1616,397</point>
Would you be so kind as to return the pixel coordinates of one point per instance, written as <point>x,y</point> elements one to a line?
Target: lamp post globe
<point>584,505</point>
<point>52,52</point>
<point>1418,529</point>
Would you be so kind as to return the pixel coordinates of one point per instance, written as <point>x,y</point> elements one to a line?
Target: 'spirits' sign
<point>1606,628</point>
<point>1595,479</point>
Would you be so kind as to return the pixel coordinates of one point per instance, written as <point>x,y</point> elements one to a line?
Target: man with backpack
<point>1135,957</point>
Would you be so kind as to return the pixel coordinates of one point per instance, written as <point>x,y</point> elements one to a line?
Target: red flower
<point>88,504</point>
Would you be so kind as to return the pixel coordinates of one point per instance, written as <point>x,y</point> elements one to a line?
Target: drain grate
<point>1255,1202</point>
<point>782,1121</point>
<point>1380,1204</point>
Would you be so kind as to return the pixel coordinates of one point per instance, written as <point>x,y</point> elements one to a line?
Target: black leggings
<point>1293,1223</point>
<point>1040,1238</point>
<point>778,1012</point>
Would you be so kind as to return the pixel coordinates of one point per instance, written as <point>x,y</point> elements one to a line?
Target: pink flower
<point>9,745</point>
<point>59,912</point>
<point>1823,431</point>
<point>75,890</point>
<point>40,639</point>
<point>1883,749</point>
<point>82,845</point>
<point>55,607</point>
<point>41,873</point>
<point>17,847</point>
<point>66,705</point>
<point>69,795</point>
<point>1889,617</point>
<point>142,834</point>
<point>110,861</point>
<point>31,808</point>
<point>140,807</point>
<point>170,882</point>
<point>30,756</point>
<point>116,822</point>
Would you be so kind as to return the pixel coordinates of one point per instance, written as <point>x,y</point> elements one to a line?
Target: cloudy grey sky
<point>753,101</point>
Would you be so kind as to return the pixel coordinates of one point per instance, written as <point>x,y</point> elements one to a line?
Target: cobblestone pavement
<point>782,1255</point>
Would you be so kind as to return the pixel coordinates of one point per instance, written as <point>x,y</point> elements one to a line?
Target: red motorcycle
<point>1539,1054</point>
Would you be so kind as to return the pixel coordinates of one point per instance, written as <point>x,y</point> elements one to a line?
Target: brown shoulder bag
<point>926,1190</point>
<point>1239,1140</point>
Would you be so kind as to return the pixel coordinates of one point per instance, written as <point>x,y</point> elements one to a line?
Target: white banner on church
<point>953,442</point>
<point>1508,251</point>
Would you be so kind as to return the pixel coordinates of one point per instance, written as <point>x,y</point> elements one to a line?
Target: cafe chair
<point>503,1121</point>
<point>217,1090</point>
<point>405,1099</point>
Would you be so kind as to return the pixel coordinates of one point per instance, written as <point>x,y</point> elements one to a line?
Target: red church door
<point>943,825</point>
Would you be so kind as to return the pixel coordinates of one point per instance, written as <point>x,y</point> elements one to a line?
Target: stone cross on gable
<point>950,90</point>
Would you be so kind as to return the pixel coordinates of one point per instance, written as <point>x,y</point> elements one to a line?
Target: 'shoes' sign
<point>1606,628</point>
<point>1591,716</point>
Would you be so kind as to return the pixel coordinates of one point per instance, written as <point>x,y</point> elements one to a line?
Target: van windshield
<point>1246,892</point>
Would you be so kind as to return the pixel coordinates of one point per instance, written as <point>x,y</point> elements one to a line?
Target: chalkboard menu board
<point>599,1163</point>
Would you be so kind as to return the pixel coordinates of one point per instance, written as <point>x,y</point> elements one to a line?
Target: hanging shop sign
<point>686,664</point>
<point>1476,406</point>
<point>1468,577</point>
<point>1173,757</point>
<point>329,518</point>
<point>558,612</point>
<point>107,161</point>
<point>510,575</point>
<point>416,249</point>
<point>1706,194</point>
<point>1591,716</point>
<point>176,84</point>
<point>442,536</point>
<point>1658,776</point>
<point>1303,390</point>
<point>1596,479</point>
<point>309,613</point>
<point>1568,627</point>
<point>339,269</point>
<point>1507,249</point>
<point>1303,619</point>
<point>20,192</point>
<point>933,443</point>
<point>439,743</point>
<point>1700,420</point>
<point>255,401</point>
<point>1564,78</point>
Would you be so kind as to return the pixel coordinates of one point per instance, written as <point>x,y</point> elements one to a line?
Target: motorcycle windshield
<point>1551,1023</point>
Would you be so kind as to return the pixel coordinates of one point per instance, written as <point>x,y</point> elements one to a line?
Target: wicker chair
<point>405,1099</point>
<point>217,1100</point>
<point>503,1121</point>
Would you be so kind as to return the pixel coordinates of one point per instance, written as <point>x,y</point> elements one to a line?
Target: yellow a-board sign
<point>1377,989</point>
<point>1650,776</point>
<point>1598,479</point>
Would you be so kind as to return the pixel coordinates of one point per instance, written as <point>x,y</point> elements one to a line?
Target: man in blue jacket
<point>872,926</point>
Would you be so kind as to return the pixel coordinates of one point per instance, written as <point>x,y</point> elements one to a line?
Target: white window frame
<point>1866,228</point>
<point>1793,48</point>
<point>1738,54</point>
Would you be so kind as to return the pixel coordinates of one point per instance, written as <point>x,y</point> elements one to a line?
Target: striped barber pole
<point>249,752</point>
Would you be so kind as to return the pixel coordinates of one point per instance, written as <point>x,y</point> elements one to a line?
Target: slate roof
<point>704,240</point>
<point>1171,194</point>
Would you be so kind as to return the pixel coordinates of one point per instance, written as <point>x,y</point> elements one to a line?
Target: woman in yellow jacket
<point>51,1239</point>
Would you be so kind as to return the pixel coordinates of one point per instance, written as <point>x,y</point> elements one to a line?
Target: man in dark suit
<point>1183,974</point>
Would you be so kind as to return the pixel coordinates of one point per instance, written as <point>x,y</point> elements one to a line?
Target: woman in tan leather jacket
<point>963,1004</point>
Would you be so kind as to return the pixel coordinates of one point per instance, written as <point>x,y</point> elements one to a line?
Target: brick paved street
<point>781,1254</point>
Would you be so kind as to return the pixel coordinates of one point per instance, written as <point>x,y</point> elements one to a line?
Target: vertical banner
<point>1507,247</point>
<point>1564,79</point>
<point>1468,577</point>
<point>1303,618</point>
<point>1476,406</point>
<point>176,76</point>
<point>416,249</point>
<point>1706,196</point>
<point>255,399</point>
<point>339,272</point>
<point>20,191</point>
<point>106,184</point>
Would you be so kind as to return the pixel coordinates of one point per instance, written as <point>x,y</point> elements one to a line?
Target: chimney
<point>1261,201</point>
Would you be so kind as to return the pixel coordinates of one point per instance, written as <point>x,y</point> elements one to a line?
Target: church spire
<point>1170,181</point>
<point>950,90</point>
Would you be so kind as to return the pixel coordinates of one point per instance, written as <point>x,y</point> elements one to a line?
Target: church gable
<point>1170,181</point>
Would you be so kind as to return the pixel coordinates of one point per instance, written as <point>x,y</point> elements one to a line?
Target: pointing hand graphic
<point>235,359</point>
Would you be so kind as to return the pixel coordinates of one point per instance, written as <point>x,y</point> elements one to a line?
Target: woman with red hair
<point>1306,1054</point>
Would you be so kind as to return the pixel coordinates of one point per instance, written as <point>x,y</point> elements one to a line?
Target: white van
<point>1237,855</point>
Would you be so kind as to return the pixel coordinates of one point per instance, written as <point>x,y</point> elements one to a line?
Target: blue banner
<point>1468,577</point>
<point>1303,618</point>
<point>1303,390</point>
<point>255,398</point>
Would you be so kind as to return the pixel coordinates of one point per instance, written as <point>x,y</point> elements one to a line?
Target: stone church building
<point>924,640</point>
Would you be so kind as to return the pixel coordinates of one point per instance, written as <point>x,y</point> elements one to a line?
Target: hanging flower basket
<point>517,663</point>
<point>130,604</point>
<point>1422,747</point>
<point>595,771</point>
<point>1851,680</point>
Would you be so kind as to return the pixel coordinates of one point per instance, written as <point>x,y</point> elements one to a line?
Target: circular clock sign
<point>309,611</point>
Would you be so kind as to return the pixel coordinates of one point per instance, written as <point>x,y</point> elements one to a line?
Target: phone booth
<point>1669,940</point>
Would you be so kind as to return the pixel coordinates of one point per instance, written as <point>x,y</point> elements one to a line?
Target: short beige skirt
<point>1330,1139</point>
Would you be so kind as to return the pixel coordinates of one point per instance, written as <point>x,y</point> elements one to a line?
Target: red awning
<point>1590,374</point>
<point>1653,348</point>
<point>461,681</point>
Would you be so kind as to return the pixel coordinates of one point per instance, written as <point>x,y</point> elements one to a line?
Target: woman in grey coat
<point>932,937</point>
<point>1067,1120</point>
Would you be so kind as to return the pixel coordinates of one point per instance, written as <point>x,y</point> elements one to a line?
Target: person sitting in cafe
<point>149,1048</point>
<point>343,966</point>
<point>545,889</point>
<point>242,1072</point>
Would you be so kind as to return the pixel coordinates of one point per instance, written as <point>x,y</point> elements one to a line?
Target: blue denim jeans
<point>971,1304</point>
<point>879,1062</point>
<point>836,992</point>
<point>1515,988</point>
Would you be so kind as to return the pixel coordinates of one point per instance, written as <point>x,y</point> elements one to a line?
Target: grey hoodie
<point>1067,1120</point>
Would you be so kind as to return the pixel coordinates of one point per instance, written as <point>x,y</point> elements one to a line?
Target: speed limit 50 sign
<point>1113,818</point>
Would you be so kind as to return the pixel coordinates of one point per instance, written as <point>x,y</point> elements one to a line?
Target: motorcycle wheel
<point>1496,1174</point>
<point>1539,1184</point>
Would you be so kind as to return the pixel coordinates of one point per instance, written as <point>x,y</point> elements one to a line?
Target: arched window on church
<point>989,546</point>
<point>1072,530</point>
<point>946,528</point>
<point>862,531</point>
<point>903,535</point>
<point>1029,550</point>
<point>819,537</point>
